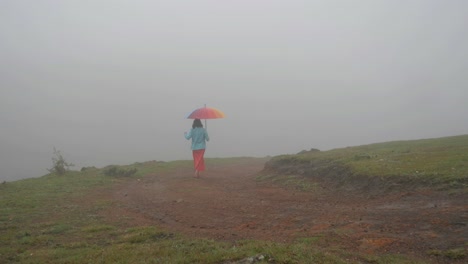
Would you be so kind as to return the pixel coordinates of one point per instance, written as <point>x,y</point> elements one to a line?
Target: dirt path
<point>228,203</point>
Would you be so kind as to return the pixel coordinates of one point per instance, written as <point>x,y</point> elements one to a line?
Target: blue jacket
<point>199,137</point>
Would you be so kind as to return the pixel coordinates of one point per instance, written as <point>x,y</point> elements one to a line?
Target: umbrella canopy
<point>205,113</point>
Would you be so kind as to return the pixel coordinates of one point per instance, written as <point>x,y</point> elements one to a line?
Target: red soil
<point>228,203</point>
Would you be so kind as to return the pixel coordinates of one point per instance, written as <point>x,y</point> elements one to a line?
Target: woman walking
<point>199,136</point>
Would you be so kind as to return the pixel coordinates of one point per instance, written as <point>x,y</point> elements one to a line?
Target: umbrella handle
<point>206,126</point>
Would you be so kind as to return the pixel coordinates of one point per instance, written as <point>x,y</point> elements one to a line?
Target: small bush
<point>59,165</point>
<point>88,168</point>
<point>309,151</point>
<point>116,171</point>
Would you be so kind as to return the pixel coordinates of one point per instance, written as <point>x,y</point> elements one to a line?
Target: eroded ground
<point>229,203</point>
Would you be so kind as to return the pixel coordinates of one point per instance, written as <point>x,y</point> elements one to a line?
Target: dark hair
<point>197,123</point>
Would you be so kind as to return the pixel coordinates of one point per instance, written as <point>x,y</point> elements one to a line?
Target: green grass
<point>441,162</point>
<point>453,254</point>
<point>41,221</point>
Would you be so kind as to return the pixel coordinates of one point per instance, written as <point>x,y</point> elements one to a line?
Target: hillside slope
<point>441,163</point>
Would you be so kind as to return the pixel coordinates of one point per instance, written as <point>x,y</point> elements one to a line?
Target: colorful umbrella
<point>205,113</point>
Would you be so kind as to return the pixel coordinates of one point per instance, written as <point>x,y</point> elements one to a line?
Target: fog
<point>110,82</point>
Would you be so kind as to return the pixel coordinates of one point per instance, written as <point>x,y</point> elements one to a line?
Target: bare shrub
<point>59,165</point>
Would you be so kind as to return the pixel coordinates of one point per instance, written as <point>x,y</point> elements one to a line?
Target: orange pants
<point>198,159</point>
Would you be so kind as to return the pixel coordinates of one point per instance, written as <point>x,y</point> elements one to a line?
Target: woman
<point>199,137</point>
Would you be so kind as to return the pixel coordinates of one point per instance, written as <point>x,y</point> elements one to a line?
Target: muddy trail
<point>229,203</point>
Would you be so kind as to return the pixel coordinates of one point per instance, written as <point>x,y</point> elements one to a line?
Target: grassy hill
<point>441,163</point>
<point>43,221</point>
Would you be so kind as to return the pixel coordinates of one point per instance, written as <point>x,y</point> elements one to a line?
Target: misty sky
<point>110,82</point>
